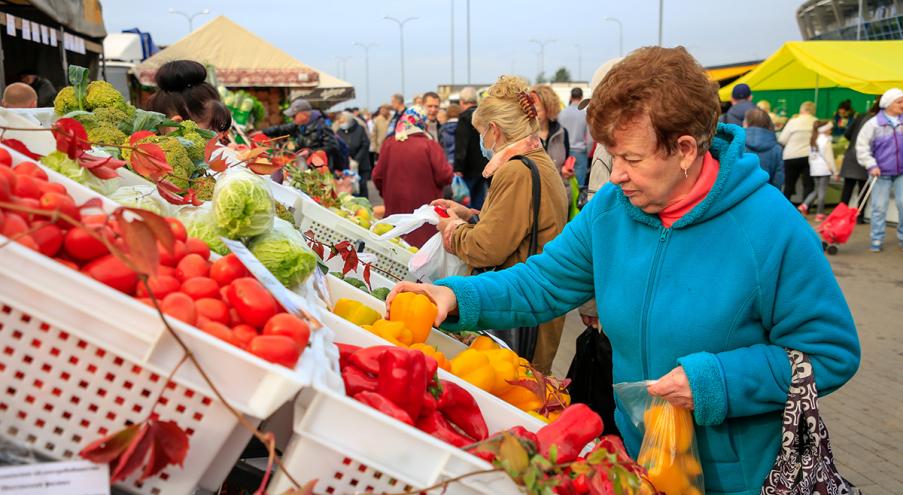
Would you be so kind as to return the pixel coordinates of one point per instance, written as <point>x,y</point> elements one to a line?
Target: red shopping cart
<point>838,226</point>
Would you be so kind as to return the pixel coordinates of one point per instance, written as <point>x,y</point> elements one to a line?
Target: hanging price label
<point>56,478</point>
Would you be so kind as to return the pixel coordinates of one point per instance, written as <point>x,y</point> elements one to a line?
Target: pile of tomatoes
<point>218,296</point>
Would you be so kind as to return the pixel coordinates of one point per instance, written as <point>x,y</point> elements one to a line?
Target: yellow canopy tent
<point>868,67</point>
<point>727,72</point>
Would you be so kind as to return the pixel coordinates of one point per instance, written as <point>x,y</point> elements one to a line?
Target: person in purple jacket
<point>879,148</point>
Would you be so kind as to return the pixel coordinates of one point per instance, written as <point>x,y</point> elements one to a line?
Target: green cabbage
<point>144,197</point>
<point>199,223</point>
<point>61,163</point>
<point>284,252</point>
<point>242,204</point>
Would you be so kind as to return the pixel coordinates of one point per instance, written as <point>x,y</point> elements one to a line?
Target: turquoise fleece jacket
<point>722,293</point>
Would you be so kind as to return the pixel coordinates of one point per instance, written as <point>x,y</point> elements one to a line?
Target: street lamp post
<point>661,16</point>
<point>620,34</point>
<point>340,66</point>
<point>401,24</point>
<point>542,53</point>
<point>452,2</point>
<point>366,47</point>
<point>190,17</point>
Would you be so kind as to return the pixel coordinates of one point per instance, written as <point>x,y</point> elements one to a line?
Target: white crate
<point>352,448</point>
<point>333,229</point>
<point>377,279</point>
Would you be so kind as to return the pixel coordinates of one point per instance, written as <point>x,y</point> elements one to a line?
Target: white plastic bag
<point>433,262</point>
<point>405,223</point>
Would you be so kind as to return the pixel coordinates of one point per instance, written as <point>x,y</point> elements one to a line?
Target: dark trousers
<point>365,177</point>
<point>794,169</point>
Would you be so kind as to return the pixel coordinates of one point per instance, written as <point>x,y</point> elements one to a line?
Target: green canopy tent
<point>826,72</point>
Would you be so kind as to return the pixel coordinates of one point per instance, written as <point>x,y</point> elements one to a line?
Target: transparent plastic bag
<point>143,196</point>
<point>242,204</point>
<point>668,452</point>
<point>460,191</point>
<point>433,262</point>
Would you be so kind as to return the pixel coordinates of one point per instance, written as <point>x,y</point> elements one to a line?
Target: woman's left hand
<point>674,388</point>
<point>446,227</point>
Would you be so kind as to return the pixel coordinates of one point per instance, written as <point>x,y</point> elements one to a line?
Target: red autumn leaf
<point>265,166</point>
<point>599,484</point>
<point>170,192</point>
<point>149,160</point>
<point>342,246</point>
<point>93,203</point>
<point>20,147</point>
<point>101,167</point>
<point>332,253</point>
<point>319,249</point>
<point>134,456</point>
<point>318,159</point>
<point>141,244</point>
<point>134,138</point>
<point>170,446</point>
<point>251,154</point>
<point>191,198</point>
<point>71,137</point>
<point>217,164</point>
<point>260,140</point>
<point>367,275</point>
<point>351,261</point>
<point>110,447</point>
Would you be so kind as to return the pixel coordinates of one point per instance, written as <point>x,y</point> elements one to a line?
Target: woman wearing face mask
<point>508,127</point>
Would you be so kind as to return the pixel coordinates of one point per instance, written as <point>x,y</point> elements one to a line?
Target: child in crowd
<point>821,167</point>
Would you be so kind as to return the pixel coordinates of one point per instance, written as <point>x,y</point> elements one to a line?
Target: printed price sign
<point>56,478</point>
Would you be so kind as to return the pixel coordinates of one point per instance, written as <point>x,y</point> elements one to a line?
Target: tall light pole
<point>661,15</point>
<point>452,17</point>
<point>190,17</point>
<point>340,66</point>
<point>542,53</point>
<point>579,61</point>
<point>366,47</point>
<point>401,24</point>
<point>620,34</point>
<point>859,24</point>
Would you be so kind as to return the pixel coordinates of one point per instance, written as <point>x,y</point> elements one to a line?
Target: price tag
<point>10,25</point>
<point>288,299</point>
<point>321,287</point>
<point>56,478</point>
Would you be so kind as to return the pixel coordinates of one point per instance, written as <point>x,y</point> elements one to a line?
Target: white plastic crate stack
<point>79,360</point>
<point>333,229</point>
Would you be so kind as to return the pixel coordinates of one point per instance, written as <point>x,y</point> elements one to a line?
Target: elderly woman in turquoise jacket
<point>702,272</point>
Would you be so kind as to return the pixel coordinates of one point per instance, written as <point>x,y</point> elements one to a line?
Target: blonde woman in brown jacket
<point>506,121</point>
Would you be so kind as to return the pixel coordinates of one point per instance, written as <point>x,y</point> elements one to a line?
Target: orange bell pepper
<point>435,354</point>
<point>484,343</point>
<point>393,331</point>
<point>416,311</point>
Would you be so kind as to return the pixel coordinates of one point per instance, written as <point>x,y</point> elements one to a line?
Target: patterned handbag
<point>805,463</point>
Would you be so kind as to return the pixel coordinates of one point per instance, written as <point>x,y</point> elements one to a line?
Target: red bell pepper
<point>402,378</point>
<point>436,425</point>
<point>384,406</point>
<point>345,352</point>
<point>357,381</point>
<point>576,427</point>
<point>460,409</point>
<point>368,359</point>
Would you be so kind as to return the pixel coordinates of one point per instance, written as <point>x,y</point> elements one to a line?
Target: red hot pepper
<point>436,425</point>
<point>576,427</point>
<point>460,408</point>
<point>384,406</point>
<point>357,381</point>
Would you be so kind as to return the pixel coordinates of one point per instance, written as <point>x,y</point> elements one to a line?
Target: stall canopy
<point>725,74</point>
<point>329,91</point>
<point>241,58</point>
<point>81,16</point>
<point>862,66</point>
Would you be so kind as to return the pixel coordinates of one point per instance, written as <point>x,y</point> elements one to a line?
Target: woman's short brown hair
<point>666,84</point>
<point>548,99</point>
<point>756,117</point>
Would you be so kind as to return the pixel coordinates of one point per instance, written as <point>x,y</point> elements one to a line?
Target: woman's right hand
<point>443,297</point>
<point>461,211</point>
<point>875,172</point>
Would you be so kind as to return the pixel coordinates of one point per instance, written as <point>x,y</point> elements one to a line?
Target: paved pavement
<point>865,417</point>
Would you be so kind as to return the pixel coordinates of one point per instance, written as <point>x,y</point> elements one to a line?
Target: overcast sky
<point>318,31</point>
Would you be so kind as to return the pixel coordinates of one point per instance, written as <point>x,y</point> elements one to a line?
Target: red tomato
<point>252,302</point>
<point>6,190</point>
<point>6,160</point>
<point>49,238</point>
<point>192,265</point>
<point>168,271</point>
<point>30,169</point>
<point>161,286</point>
<point>227,269</point>
<point>10,177</point>
<point>27,241</point>
<point>14,225</point>
<point>200,287</point>
<point>62,203</point>
<point>171,258</point>
<point>289,325</point>
<point>213,309</point>
<point>202,320</point>
<point>110,271</point>
<point>197,246</point>
<point>180,307</point>
<point>68,263</point>
<point>27,187</point>
<point>81,246</point>
<point>243,334</point>
<point>47,187</point>
<point>28,203</point>
<point>219,331</point>
<point>277,349</point>
<point>233,315</point>
<point>178,230</point>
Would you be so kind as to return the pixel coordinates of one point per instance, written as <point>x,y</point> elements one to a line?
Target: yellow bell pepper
<point>504,362</point>
<point>475,367</point>
<point>521,398</point>
<point>416,311</point>
<point>435,354</point>
<point>484,343</point>
<point>393,331</point>
<point>356,312</point>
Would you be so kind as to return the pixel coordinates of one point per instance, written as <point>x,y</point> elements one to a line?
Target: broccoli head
<point>115,116</point>
<point>105,134</point>
<point>176,157</point>
<point>188,130</point>
<point>102,94</point>
<point>65,101</point>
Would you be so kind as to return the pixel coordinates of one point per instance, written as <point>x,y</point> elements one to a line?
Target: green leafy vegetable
<point>284,252</point>
<point>242,204</point>
<point>199,223</point>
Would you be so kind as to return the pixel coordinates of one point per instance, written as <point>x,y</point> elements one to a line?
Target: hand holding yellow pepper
<point>416,311</point>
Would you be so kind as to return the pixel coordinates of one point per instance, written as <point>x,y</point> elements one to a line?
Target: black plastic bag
<point>591,378</point>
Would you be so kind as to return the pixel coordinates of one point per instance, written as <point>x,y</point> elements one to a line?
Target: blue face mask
<point>487,152</point>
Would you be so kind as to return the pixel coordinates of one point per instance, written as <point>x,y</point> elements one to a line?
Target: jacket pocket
<point>716,443</point>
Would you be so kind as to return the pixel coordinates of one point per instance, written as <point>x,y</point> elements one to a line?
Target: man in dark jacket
<point>469,161</point>
<point>741,99</point>
<point>399,108</point>
<point>44,88</point>
<point>309,130</point>
<point>355,136</point>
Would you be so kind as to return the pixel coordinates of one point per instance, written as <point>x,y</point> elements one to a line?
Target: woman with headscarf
<point>411,170</point>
